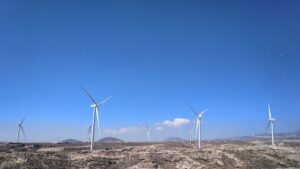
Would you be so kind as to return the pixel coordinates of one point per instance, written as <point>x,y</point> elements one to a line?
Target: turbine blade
<point>89,129</point>
<point>22,131</point>
<point>204,111</point>
<point>105,100</point>
<point>23,119</point>
<point>97,115</point>
<point>87,93</point>
<point>194,111</point>
<point>197,127</point>
<point>268,126</point>
<point>270,116</point>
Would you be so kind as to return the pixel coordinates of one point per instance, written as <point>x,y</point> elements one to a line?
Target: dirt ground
<point>171,155</point>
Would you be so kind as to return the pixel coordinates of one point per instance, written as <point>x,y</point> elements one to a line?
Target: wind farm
<point>109,152</point>
<point>149,84</point>
<point>190,152</point>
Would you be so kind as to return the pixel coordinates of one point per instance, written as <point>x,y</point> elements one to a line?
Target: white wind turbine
<point>148,133</point>
<point>95,107</point>
<point>271,122</point>
<point>198,124</point>
<point>20,128</point>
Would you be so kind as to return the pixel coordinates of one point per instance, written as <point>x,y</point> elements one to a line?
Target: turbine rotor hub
<point>94,105</point>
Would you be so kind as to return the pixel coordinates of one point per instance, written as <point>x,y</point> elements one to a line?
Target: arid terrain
<point>167,155</point>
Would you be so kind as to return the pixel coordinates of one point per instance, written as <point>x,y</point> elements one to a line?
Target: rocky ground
<point>214,154</point>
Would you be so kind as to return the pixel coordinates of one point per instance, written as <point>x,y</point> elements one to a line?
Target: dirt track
<point>215,154</point>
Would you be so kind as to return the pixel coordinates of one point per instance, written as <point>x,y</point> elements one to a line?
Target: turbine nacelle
<point>95,105</point>
<point>272,119</point>
<point>200,116</point>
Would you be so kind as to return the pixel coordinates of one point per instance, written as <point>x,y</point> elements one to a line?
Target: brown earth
<point>183,155</point>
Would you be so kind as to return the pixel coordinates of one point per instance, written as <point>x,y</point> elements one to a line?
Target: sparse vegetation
<point>167,155</point>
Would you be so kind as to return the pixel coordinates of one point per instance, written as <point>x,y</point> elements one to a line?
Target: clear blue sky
<point>231,57</point>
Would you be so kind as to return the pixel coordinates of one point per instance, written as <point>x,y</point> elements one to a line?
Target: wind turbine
<point>95,107</point>
<point>271,122</point>
<point>148,133</point>
<point>20,128</point>
<point>198,124</point>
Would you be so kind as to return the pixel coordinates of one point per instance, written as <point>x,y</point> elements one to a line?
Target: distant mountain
<point>69,141</point>
<point>297,132</point>
<point>110,140</point>
<point>289,135</point>
<point>174,139</point>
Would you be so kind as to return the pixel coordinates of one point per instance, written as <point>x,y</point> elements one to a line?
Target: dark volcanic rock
<point>69,141</point>
<point>110,140</point>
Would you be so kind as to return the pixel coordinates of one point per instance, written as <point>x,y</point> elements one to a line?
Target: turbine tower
<point>148,133</point>
<point>20,128</point>
<point>198,124</point>
<point>95,107</point>
<point>271,122</point>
